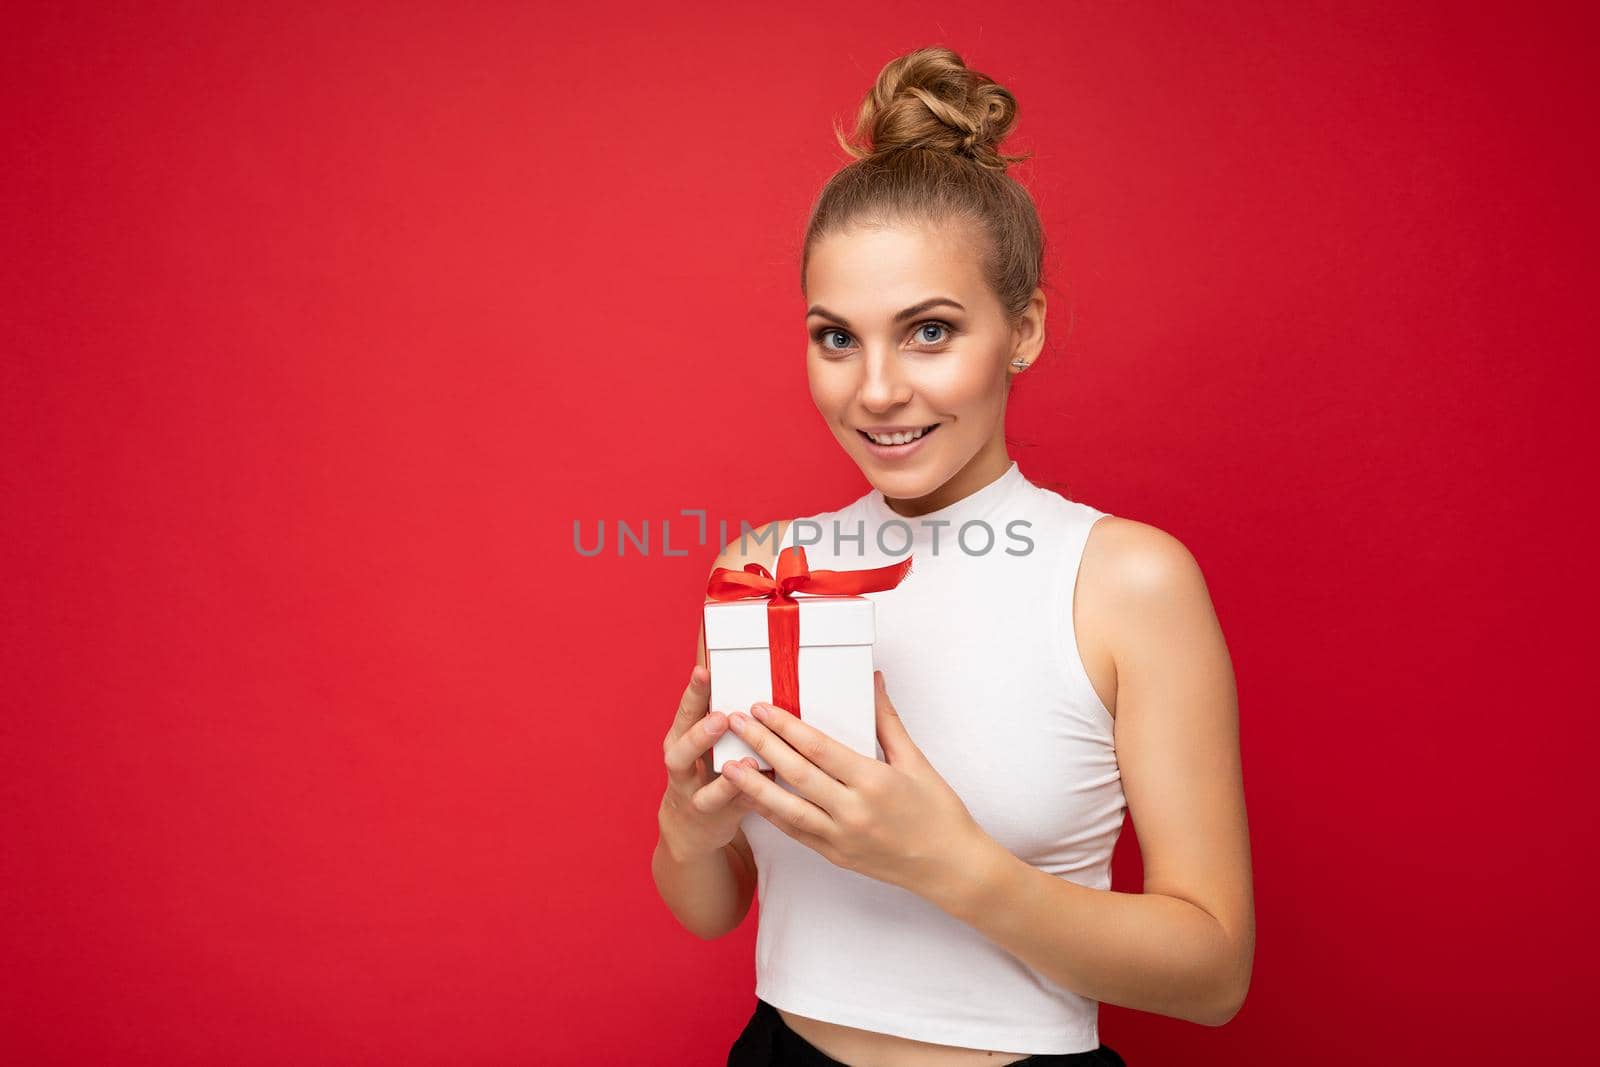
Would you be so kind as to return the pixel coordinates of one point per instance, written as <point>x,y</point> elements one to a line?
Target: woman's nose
<point>882,384</point>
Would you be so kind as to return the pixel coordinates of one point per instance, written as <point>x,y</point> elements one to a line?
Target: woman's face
<point>882,355</point>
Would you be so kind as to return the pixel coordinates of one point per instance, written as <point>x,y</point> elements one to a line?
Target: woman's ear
<point>1029,331</point>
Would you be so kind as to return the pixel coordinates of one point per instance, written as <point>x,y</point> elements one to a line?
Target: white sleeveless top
<point>979,655</point>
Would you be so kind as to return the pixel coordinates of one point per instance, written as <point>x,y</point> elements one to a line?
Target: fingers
<point>692,705</point>
<point>684,751</point>
<point>794,815</point>
<point>722,791</point>
<point>811,761</point>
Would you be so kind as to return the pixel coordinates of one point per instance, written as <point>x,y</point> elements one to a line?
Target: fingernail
<point>715,721</point>
<point>760,711</point>
<point>734,769</point>
<point>738,721</point>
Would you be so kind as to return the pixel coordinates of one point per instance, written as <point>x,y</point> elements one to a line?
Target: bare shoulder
<point>1133,578</point>
<point>1126,557</point>
<point>1131,565</point>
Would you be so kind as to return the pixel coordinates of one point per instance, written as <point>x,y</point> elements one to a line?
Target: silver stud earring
<point>1020,364</point>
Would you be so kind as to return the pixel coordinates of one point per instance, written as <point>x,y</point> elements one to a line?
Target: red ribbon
<point>783,611</point>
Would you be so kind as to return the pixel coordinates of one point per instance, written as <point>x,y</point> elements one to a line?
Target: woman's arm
<point>1184,947</point>
<point>708,895</point>
<point>711,895</point>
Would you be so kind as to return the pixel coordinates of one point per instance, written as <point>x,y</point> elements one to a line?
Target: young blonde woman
<point>1044,668</point>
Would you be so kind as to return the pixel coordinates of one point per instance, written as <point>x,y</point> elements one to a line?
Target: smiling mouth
<point>895,440</point>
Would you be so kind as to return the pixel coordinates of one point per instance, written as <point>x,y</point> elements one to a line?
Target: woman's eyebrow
<point>914,309</point>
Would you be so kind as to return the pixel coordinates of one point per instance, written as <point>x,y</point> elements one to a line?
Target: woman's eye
<point>921,334</point>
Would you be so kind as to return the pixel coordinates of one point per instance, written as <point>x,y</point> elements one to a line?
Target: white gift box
<point>834,667</point>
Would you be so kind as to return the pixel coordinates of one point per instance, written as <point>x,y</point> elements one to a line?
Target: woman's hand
<point>898,822</point>
<point>701,810</point>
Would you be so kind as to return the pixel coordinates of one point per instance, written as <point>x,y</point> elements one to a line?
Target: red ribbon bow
<point>783,611</point>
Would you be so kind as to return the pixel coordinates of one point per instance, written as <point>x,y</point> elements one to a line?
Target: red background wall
<point>323,323</point>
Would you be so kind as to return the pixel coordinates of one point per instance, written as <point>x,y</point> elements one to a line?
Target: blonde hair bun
<point>930,99</point>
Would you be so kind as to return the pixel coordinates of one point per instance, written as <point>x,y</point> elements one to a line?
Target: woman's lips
<point>895,452</point>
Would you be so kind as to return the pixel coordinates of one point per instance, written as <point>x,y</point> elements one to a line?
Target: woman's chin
<point>899,483</point>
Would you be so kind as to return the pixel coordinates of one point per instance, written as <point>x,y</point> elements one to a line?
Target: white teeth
<point>897,438</point>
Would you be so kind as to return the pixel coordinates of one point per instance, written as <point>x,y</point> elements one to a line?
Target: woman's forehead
<point>882,270</point>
